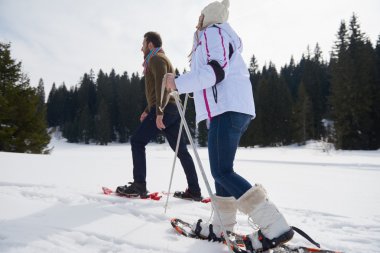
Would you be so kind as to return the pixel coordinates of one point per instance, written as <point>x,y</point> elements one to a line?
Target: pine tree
<point>60,105</point>
<point>254,74</point>
<point>74,111</point>
<point>289,73</point>
<point>112,103</point>
<point>22,120</point>
<point>103,124</point>
<point>137,101</point>
<point>253,66</point>
<point>122,104</point>
<point>249,137</point>
<point>41,92</point>
<point>202,134</point>
<point>70,129</point>
<point>376,92</point>
<point>353,85</point>
<point>340,71</point>
<point>273,109</point>
<point>303,117</point>
<point>315,80</point>
<point>51,107</point>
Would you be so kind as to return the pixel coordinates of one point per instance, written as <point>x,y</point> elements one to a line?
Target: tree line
<point>336,100</point>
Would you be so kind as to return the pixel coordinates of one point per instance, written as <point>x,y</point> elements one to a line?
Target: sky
<point>61,40</point>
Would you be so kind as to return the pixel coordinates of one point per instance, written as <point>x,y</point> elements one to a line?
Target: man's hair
<point>153,37</point>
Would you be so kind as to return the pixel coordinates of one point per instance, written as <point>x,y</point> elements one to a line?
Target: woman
<point>223,95</point>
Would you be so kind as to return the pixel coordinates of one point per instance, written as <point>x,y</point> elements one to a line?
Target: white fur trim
<point>226,204</point>
<point>227,208</point>
<point>252,199</point>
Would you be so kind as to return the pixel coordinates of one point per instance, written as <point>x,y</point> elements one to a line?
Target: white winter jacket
<point>234,92</point>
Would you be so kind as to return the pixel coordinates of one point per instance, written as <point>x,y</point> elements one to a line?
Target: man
<point>153,119</point>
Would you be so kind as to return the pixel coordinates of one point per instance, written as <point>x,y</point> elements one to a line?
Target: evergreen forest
<point>337,101</point>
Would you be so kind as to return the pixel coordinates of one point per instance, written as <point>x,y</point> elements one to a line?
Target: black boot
<point>133,190</point>
<point>188,195</point>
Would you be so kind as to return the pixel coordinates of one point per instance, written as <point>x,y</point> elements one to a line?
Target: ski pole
<point>176,153</point>
<point>176,97</point>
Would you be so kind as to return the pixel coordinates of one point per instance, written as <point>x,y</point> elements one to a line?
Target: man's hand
<point>143,116</point>
<point>159,122</point>
<point>170,83</point>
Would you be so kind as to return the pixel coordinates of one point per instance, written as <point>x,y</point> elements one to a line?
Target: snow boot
<point>273,228</point>
<point>133,190</point>
<point>188,195</point>
<point>213,231</point>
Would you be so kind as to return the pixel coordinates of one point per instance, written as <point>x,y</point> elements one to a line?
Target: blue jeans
<point>148,131</point>
<point>223,140</point>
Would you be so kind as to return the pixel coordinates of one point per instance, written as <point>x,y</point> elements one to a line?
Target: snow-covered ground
<point>53,203</point>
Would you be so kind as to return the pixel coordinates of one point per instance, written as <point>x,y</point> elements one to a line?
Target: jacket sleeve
<point>159,68</point>
<point>213,65</point>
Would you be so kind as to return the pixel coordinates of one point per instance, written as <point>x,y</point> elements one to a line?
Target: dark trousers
<point>148,131</point>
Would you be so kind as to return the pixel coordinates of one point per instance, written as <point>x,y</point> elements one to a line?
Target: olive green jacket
<point>158,66</point>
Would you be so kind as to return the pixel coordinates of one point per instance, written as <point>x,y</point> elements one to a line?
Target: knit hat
<point>215,12</point>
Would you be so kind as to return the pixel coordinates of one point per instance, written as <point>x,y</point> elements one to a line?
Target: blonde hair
<point>196,36</point>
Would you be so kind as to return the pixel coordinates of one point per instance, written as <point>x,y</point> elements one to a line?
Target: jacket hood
<point>234,38</point>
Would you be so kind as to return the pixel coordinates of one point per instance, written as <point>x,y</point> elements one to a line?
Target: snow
<point>53,203</point>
